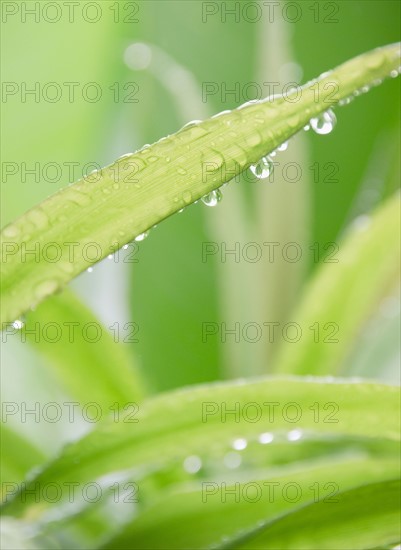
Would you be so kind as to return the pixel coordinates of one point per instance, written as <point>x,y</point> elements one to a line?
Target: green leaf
<point>363,517</point>
<point>18,456</point>
<point>82,354</point>
<point>123,200</point>
<point>189,422</point>
<point>197,519</point>
<point>342,296</point>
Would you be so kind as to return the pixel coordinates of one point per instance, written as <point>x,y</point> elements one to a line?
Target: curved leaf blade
<point>114,206</point>
<point>363,517</point>
<point>176,423</point>
<point>82,354</point>
<point>342,296</point>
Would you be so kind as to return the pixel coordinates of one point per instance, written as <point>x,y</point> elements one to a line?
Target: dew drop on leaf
<point>240,444</point>
<point>324,123</point>
<point>141,236</point>
<point>263,168</point>
<point>265,438</point>
<point>294,435</point>
<point>212,198</point>
<point>187,197</point>
<point>232,460</point>
<point>192,464</point>
<point>126,155</point>
<point>45,288</point>
<point>10,231</point>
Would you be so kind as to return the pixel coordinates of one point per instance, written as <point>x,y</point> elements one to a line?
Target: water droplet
<point>283,146</point>
<point>180,211</point>
<point>212,198</point>
<point>263,168</point>
<point>125,247</point>
<point>182,171</point>
<point>67,267</point>
<point>294,435</point>
<point>240,444</point>
<point>293,121</point>
<point>45,288</point>
<point>307,128</point>
<point>394,73</point>
<point>18,324</point>
<point>38,217</point>
<point>324,123</point>
<point>90,269</point>
<point>192,464</point>
<point>80,199</point>
<point>221,113</point>
<point>10,231</point>
<point>125,156</point>
<point>190,124</point>
<point>93,176</point>
<point>247,104</point>
<point>141,236</point>
<point>265,438</point>
<point>254,139</point>
<point>345,100</point>
<point>110,256</point>
<point>187,197</point>
<point>232,460</point>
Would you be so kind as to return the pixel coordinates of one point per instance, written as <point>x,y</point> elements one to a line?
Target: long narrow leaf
<point>86,221</point>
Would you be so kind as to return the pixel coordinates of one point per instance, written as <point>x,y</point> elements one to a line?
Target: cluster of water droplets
<point>233,457</point>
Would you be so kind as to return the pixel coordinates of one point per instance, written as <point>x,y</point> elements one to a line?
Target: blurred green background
<point>151,61</point>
